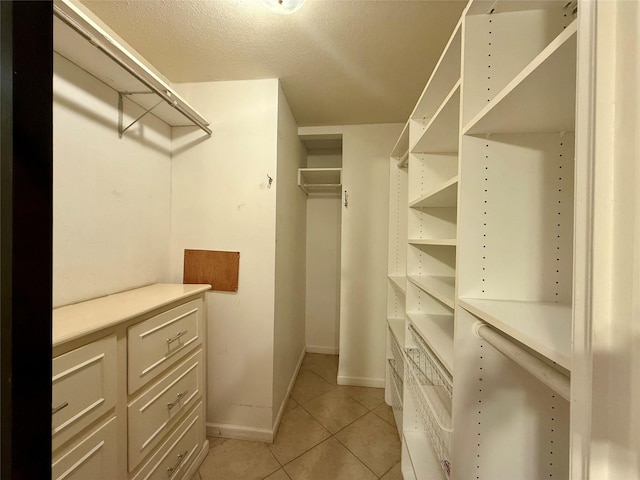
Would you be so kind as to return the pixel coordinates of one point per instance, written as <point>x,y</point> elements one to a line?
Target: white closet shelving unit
<point>490,243</point>
<point>85,43</point>
<point>320,181</point>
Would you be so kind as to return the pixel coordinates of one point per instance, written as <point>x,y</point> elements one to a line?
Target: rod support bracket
<point>121,97</point>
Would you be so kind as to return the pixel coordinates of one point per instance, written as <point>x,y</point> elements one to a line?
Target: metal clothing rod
<point>163,93</point>
<point>548,375</point>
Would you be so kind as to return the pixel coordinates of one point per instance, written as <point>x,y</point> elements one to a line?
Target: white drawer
<point>83,388</point>
<point>158,342</point>
<point>155,412</point>
<point>95,457</point>
<point>176,454</point>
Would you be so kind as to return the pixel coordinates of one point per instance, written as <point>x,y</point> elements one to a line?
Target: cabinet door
<point>83,388</point>
<point>153,414</point>
<point>94,457</point>
<point>159,342</point>
<point>173,458</point>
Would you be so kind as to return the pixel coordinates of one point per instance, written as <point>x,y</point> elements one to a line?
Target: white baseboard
<point>361,381</point>
<point>324,350</point>
<point>240,432</point>
<point>276,423</point>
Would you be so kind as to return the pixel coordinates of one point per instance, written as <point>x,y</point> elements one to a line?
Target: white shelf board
<point>320,180</point>
<point>433,241</point>
<point>439,287</point>
<point>544,327</point>
<point>445,74</point>
<point>441,133</point>
<point>445,195</point>
<point>397,327</point>
<point>402,145</point>
<point>541,98</point>
<point>400,281</point>
<point>82,52</point>
<point>437,332</point>
<point>320,175</point>
<point>422,456</point>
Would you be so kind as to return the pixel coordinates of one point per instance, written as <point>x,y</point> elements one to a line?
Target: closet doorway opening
<point>321,180</point>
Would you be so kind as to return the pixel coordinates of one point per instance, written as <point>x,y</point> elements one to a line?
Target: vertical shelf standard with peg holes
<point>396,288</point>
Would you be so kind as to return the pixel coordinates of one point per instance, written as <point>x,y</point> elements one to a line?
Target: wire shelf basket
<point>433,413</point>
<point>396,398</point>
<point>423,360</point>
<point>398,358</point>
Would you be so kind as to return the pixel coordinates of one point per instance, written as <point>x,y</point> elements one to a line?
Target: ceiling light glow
<point>283,6</point>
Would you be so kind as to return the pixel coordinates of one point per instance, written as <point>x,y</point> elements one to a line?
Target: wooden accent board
<point>218,269</point>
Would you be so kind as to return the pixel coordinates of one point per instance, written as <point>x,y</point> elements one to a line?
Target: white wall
<point>324,159</point>
<point>289,327</point>
<point>323,274</point>
<point>365,225</point>
<point>111,198</point>
<point>221,201</point>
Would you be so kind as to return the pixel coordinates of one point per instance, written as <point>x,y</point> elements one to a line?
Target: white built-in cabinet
<point>481,250</point>
<point>128,385</point>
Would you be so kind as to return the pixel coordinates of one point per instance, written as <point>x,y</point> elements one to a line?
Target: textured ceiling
<point>340,61</point>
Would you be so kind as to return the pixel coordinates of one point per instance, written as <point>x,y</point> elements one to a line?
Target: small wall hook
<point>270,180</point>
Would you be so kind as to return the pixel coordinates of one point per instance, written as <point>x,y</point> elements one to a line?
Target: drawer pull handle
<point>55,410</point>
<point>181,457</point>
<point>177,400</point>
<point>177,336</point>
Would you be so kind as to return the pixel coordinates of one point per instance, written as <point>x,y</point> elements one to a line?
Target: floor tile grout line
<point>271,473</point>
<point>359,459</point>
<point>308,449</point>
<point>316,396</point>
<point>324,440</point>
<point>369,410</point>
<point>390,468</point>
<point>342,428</point>
<point>332,388</point>
<point>381,418</point>
<point>337,387</point>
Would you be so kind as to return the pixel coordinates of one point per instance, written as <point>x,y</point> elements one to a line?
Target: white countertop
<point>73,321</point>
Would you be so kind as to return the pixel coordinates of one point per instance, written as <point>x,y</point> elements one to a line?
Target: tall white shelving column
<point>431,270</point>
<point>515,237</point>
<point>397,275</point>
<point>490,242</point>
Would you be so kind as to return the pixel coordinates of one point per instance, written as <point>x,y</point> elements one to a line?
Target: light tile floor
<point>328,432</point>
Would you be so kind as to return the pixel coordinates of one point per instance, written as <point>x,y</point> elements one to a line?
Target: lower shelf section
<point>432,409</point>
<point>396,399</point>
